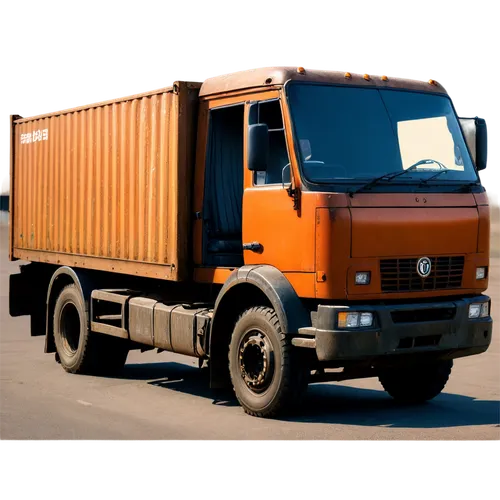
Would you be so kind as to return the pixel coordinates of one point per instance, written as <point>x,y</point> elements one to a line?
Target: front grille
<point>400,275</point>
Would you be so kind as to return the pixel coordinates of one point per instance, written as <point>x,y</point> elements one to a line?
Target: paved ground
<point>165,396</point>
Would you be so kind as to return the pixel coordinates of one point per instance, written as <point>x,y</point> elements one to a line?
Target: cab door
<point>274,232</point>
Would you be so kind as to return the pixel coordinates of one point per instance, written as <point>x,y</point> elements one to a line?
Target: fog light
<point>480,273</point>
<point>366,319</point>
<point>475,310</point>
<point>363,278</point>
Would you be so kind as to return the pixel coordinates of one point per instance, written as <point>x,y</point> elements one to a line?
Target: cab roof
<point>264,77</point>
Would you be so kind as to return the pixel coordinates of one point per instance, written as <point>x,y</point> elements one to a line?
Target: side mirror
<point>258,147</point>
<point>476,135</point>
<point>482,144</point>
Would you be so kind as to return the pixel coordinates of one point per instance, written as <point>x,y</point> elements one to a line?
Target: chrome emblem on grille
<point>424,267</point>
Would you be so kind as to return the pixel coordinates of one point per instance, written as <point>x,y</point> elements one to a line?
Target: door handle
<point>254,246</point>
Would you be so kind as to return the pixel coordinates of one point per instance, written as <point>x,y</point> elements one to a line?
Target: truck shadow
<point>339,404</point>
<point>180,378</point>
<point>333,403</point>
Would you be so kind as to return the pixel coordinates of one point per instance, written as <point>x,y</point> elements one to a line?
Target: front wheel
<point>418,383</point>
<point>268,374</point>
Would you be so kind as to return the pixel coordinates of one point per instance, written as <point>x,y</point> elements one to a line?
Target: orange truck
<point>288,226</point>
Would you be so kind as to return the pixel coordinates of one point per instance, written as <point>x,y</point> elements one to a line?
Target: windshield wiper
<point>389,176</point>
<point>425,181</point>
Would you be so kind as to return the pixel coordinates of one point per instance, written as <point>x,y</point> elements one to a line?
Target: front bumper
<point>442,328</point>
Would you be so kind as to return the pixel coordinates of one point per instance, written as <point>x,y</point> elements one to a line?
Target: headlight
<point>474,310</point>
<point>354,319</point>
<point>479,310</point>
<point>485,310</point>
<point>366,319</point>
<point>363,278</point>
<point>480,273</point>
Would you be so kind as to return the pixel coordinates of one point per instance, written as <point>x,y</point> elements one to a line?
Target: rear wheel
<point>269,376</point>
<point>79,350</point>
<point>418,383</point>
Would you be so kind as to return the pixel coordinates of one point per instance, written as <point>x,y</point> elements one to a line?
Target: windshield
<point>349,134</point>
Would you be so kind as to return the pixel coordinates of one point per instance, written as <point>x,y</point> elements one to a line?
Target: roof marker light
<point>348,75</point>
<point>384,78</point>
<point>433,82</point>
<point>366,77</point>
<point>301,70</point>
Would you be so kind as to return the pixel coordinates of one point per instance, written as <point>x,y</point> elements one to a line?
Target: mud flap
<point>20,295</point>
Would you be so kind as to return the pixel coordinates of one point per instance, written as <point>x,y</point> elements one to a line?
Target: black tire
<point>268,374</point>
<point>418,383</point>
<point>80,350</point>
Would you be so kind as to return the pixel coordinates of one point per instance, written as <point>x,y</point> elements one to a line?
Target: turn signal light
<point>480,273</point>
<point>362,278</point>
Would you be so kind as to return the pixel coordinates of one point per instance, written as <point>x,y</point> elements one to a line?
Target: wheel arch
<point>62,277</point>
<point>246,287</point>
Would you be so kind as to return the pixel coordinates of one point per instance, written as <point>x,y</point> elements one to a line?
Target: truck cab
<point>364,193</point>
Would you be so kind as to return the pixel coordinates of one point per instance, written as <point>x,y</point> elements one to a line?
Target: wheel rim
<point>256,360</point>
<point>70,328</point>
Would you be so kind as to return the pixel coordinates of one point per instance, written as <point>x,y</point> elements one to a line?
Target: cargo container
<point>285,225</point>
<point>107,186</point>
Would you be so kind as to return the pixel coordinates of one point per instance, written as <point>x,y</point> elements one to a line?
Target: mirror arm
<point>294,193</point>
<point>291,190</point>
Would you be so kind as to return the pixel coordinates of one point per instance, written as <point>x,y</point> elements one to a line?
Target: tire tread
<point>294,382</point>
<point>100,354</point>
